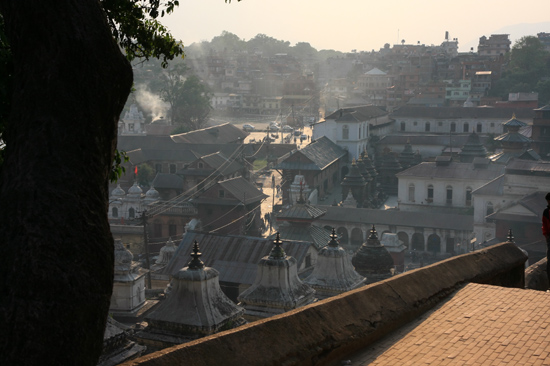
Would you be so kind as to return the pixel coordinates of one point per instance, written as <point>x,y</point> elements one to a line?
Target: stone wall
<point>535,276</point>
<point>327,331</point>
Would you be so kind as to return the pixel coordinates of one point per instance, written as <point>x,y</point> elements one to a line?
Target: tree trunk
<point>56,263</point>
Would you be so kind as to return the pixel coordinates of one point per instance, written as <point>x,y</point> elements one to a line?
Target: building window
<point>221,193</point>
<point>453,127</point>
<point>131,213</point>
<point>114,212</point>
<point>449,195</point>
<point>427,128</point>
<point>440,123</point>
<point>158,168</point>
<point>489,209</point>
<point>402,126</point>
<point>172,229</point>
<point>345,132</point>
<point>411,192</point>
<point>359,132</point>
<point>200,165</point>
<point>172,168</point>
<point>492,124</point>
<point>430,193</point>
<point>415,123</point>
<point>466,127</point>
<point>157,230</point>
<point>468,196</point>
<point>478,128</point>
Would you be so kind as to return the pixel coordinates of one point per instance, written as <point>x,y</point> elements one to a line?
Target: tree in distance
<point>189,99</point>
<point>527,71</point>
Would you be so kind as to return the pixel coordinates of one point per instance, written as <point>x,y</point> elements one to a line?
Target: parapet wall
<point>325,332</point>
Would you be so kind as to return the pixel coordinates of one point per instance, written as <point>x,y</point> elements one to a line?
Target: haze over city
<point>360,25</point>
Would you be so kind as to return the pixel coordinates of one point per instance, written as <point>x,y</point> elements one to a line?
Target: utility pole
<point>146,244</point>
<point>293,118</point>
<point>273,202</point>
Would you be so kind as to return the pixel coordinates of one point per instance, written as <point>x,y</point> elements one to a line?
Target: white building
<point>445,185</point>
<point>451,120</point>
<point>127,206</point>
<point>133,122</point>
<point>521,178</point>
<point>220,101</point>
<point>349,127</point>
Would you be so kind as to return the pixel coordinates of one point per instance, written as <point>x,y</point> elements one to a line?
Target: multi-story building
<point>541,132</point>
<point>271,105</point>
<point>349,127</point>
<point>456,93</point>
<point>443,185</point>
<point>322,163</point>
<point>494,46</point>
<point>445,120</point>
<point>374,85</point>
<point>520,179</point>
<point>544,38</point>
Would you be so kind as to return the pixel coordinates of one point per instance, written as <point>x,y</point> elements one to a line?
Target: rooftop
<point>477,325</point>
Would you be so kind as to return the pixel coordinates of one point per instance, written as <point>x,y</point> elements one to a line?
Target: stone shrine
<point>195,306</point>
<point>277,287</point>
<point>373,260</point>
<point>333,273</point>
<point>129,283</point>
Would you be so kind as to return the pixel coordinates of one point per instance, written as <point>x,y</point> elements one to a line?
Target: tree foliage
<point>145,175</point>
<point>63,84</point>
<point>188,97</point>
<point>261,43</point>
<point>527,71</point>
<point>136,28</point>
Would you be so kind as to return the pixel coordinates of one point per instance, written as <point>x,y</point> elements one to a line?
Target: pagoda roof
<point>301,212</point>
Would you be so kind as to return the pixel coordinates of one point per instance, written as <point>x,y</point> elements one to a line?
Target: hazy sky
<point>364,25</point>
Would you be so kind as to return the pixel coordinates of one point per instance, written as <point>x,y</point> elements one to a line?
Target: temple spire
<point>195,263</point>
<point>277,251</point>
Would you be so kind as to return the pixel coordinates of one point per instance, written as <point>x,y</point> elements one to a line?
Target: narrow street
<point>267,183</point>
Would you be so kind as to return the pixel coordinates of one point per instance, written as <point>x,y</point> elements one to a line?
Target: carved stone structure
<point>129,283</point>
<point>373,260</point>
<point>194,307</point>
<point>355,184</point>
<point>277,287</point>
<point>333,273</point>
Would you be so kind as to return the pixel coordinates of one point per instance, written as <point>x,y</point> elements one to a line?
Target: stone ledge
<point>327,331</point>
<point>535,276</point>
